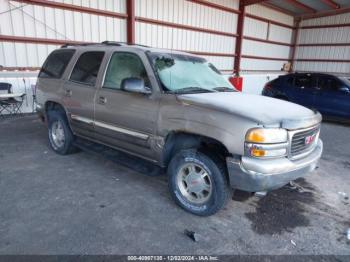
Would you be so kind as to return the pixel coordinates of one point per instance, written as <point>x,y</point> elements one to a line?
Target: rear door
<point>50,82</point>
<point>303,91</point>
<point>80,90</point>
<point>123,119</point>
<point>331,100</point>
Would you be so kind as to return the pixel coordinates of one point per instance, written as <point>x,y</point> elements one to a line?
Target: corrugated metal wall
<point>35,21</point>
<point>204,29</point>
<point>339,37</point>
<point>53,23</point>
<point>266,31</point>
<point>191,14</point>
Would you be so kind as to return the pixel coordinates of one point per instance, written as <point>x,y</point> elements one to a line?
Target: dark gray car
<point>177,111</point>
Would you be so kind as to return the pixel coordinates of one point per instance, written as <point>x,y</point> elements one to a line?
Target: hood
<point>263,110</point>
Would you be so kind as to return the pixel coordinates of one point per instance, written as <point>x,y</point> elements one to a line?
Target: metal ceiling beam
<point>213,5</point>
<point>325,13</point>
<point>331,4</point>
<point>74,8</point>
<point>277,8</point>
<point>302,6</point>
<point>252,2</point>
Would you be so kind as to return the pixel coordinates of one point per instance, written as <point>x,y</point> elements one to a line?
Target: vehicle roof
<point>312,74</point>
<point>108,45</point>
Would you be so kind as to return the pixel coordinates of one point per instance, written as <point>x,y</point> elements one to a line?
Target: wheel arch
<point>51,105</point>
<point>180,140</point>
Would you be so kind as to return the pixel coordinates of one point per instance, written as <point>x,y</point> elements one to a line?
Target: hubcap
<point>57,134</point>
<point>194,183</point>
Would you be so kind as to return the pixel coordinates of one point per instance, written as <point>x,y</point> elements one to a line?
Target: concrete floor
<point>90,203</point>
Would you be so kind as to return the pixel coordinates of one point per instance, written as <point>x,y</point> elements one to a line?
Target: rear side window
<point>86,69</point>
<point>302,81</point>
<point>276,81</point>
<point>56,63</point>
<point>290,80</point>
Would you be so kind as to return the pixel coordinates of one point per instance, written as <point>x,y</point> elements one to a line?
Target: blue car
<point>328,94</point>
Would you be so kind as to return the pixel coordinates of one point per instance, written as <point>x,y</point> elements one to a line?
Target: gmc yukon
<point>176,110</point>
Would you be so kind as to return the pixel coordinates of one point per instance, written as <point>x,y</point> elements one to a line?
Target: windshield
<point>188,74</point>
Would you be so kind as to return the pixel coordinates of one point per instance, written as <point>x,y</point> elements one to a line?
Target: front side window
<point>86,69</point>
<point>56,63</point>
<point>306,81</point>
<point>329,84</point>
<point>122,66</point>
<point>181,73</point>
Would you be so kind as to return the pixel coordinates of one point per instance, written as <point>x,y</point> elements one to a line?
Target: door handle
<point>102,100</point>
<point>68,92</point>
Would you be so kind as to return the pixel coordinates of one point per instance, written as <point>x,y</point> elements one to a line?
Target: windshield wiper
<point>192,89</point>
<point>224,89</point>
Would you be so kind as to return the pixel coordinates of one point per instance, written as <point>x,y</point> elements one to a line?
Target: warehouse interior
<point>104,202</point>
<point>257,40</point>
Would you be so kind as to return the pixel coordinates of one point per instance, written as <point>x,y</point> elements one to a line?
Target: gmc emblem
<point>310,139</point>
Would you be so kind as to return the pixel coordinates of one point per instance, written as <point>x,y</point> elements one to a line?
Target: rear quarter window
<point>276,80</point>
<point>56,63</point>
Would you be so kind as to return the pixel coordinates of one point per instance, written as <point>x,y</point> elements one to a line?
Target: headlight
<point>266,142</point>
<point>267,135</point>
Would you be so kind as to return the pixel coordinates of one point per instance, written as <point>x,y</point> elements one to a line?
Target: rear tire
<point>198,182</point>
<point>60,136</point>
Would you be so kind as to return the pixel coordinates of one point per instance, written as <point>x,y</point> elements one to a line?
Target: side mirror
<point>344,89</point>
<point>135,85</point>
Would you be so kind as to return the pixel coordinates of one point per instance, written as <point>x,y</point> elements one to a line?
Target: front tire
<point>60,135</point>
<point>198,182</point>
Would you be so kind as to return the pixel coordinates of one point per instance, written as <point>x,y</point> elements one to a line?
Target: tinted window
<point>302,81</point>
<point>325,83</point>
<point>87,67</point>
<point>124,65</point>
<point>290,80</point>
<point>56,63</point>
<point>275,81</point>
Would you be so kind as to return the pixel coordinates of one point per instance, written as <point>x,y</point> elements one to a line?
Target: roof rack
<point>120,43</point>
<point>114,43</point>
<point>141,45</point>
<point>78,44</point>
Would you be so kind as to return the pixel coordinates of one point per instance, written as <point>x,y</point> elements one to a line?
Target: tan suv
<point>177,111</point>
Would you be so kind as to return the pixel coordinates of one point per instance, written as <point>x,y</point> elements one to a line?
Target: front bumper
<point>254,175</point>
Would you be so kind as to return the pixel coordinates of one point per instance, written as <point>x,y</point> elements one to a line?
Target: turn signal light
<point>257,152</point>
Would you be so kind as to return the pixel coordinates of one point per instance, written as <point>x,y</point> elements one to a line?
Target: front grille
<point>304,141</point>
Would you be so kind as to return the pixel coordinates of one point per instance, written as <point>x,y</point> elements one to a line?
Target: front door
<point>79,93</point>
<point>331,100</point>
<point>304,90</point>
<point>124,119</point>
